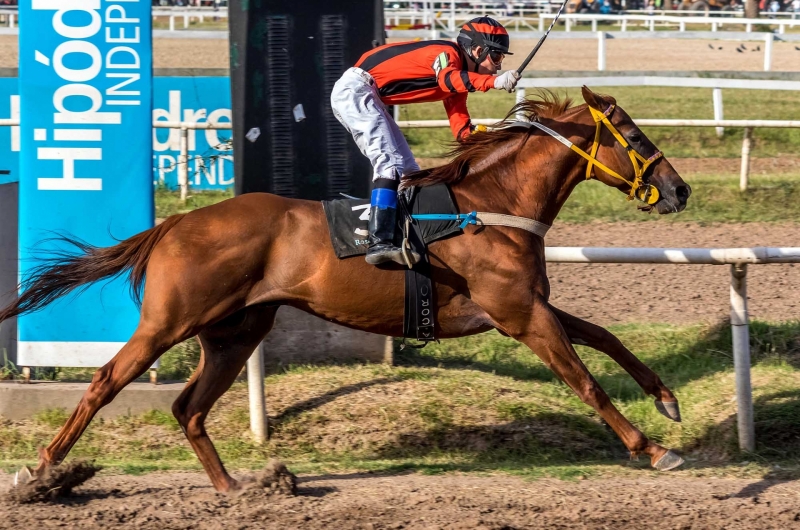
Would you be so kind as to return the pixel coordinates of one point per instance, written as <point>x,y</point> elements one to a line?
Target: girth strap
<point>488,219</point>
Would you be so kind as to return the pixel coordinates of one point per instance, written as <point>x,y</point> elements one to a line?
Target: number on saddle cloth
<point>348,220</point>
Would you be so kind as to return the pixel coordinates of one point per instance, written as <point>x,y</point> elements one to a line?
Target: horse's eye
<point>634,138</point>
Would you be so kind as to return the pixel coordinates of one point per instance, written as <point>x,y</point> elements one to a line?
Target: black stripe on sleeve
<point>466,81</point>
<point>461,131</point>
<point>448,82</point>
<point>407,85</point>
<point>391,52</point>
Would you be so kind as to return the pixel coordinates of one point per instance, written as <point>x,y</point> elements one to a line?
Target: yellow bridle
<point>644,192</point>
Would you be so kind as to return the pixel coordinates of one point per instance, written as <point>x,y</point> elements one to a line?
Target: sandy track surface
<point>621,54</point>
<point>362,501</point>
<point>680,294</point>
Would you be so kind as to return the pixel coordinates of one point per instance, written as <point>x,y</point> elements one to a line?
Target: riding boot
<point>382,223</point>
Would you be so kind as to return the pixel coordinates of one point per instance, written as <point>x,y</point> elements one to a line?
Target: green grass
<point>647,102</point>
<point>168,202</point>
<point>715,196</point>
<point>478,404</point>
<point>714,199</point>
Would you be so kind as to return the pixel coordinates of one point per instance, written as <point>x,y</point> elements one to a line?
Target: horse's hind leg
<point>226,347</point>
<point>145,346</point>
<point>587,334</point>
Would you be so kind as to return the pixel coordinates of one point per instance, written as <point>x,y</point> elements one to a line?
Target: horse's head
<point>629,161</point>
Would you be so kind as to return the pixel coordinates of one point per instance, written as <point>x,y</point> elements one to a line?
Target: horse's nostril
<point>683,192</point>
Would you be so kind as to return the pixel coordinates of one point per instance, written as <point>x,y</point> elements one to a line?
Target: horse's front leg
<point>585,333</point>
<point>543,333</point>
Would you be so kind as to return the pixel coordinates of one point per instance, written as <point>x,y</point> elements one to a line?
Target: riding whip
<point>539,44</point>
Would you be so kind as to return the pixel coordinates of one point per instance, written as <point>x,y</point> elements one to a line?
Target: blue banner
<point>9,136</point>
<point>86,95</point>
<point>194,99</point>
<point>174,99</point>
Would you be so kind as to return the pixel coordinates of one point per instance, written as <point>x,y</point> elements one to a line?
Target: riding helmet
<point>485,32</point>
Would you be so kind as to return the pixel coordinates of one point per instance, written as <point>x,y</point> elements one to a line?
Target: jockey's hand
<point>507,81</point>
<point>479,128</point>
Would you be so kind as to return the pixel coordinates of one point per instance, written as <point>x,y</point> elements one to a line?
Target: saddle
<point>347,225</point>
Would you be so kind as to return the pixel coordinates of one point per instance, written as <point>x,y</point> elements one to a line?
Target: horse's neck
<point>523,180</point>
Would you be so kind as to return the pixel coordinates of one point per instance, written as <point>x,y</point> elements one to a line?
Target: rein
<point>646,193</point>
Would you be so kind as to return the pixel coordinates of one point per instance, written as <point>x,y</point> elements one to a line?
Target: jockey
<point>412,72</point>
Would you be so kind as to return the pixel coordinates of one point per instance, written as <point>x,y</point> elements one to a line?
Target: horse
<point>221,272</point>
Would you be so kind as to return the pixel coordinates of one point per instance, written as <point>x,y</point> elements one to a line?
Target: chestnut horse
<point>221,272</point>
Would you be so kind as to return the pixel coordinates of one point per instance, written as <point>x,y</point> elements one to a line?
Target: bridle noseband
<point>646,193</point>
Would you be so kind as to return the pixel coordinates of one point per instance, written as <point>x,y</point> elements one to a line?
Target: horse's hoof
<point>669,461</point>
<point>23,476</point>
<point>669,409</point>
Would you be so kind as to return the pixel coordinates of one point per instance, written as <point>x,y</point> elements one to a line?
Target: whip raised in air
<point>539,44</point>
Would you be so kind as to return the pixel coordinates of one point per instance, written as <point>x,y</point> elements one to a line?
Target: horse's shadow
<point>542,438</point>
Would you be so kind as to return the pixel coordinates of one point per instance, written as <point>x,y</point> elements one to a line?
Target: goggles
<point>496,56</point>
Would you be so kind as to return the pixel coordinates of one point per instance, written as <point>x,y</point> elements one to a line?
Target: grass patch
<point>715,198</point>
<point>647,102</point>
<point>477,404</point>
<point>168,202</point>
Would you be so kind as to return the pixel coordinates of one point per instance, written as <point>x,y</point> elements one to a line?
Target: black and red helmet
<point>485,32</point>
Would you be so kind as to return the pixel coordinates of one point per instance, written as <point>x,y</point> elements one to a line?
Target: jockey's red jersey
<point>416,72</point>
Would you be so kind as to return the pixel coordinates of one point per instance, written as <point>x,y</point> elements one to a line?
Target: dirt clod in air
<point>275,478</point>
<point>54,482</point>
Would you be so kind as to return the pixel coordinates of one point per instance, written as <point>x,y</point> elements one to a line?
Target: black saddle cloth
<point>348,219</point>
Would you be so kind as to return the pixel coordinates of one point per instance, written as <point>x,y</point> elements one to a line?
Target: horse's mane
<point>476,147</point>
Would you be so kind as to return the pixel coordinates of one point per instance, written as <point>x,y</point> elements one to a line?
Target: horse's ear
<point>597,101</point>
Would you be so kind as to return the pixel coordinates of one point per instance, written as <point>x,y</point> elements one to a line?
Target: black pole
<point>9,251</point>
<point>285,57</point>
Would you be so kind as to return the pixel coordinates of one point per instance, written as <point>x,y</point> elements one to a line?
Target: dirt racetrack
<point>679,294</point>
<point>559,54</point>
<point>362,501</point>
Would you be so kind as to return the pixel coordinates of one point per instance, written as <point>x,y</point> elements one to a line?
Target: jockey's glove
<point>479,128</point>
<point>507,81</point>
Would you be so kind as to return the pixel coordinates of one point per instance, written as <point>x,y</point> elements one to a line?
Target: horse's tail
<point>67,271</point>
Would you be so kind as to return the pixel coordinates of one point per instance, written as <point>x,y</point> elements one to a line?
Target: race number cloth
<point>348,219</point>
<point>86,162</point>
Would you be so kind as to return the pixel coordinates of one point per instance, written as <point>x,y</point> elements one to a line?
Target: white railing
<point>183,156</point>
<point>650,21</point>
<point>738,259</point>
<point>448,16</point>
<point>719,123</point>
<point>747,138</point>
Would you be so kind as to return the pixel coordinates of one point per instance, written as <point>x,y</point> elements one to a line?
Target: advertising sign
<point>85,70</point>
<point>193,99</point>
<point>174,99</point>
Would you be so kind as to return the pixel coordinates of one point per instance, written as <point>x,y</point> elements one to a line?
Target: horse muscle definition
<point>221,272</point>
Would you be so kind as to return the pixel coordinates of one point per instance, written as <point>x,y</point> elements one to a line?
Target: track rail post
<point>744,175</point>
<point>741,357</point>
<point>255,391</point>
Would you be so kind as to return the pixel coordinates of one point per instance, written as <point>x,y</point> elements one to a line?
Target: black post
<point>9,207</point>
<point>285,57</point>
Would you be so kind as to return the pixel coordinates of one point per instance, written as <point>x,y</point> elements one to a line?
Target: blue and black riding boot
<point>382,223</point>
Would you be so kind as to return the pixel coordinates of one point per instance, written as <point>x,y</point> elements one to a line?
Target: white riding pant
<point>357,105</point>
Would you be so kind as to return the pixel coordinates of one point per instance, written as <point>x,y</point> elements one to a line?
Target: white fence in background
<point>651,21</point>
<point>698,82</point>
<point>738,259</point>
<point>449,15</point>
